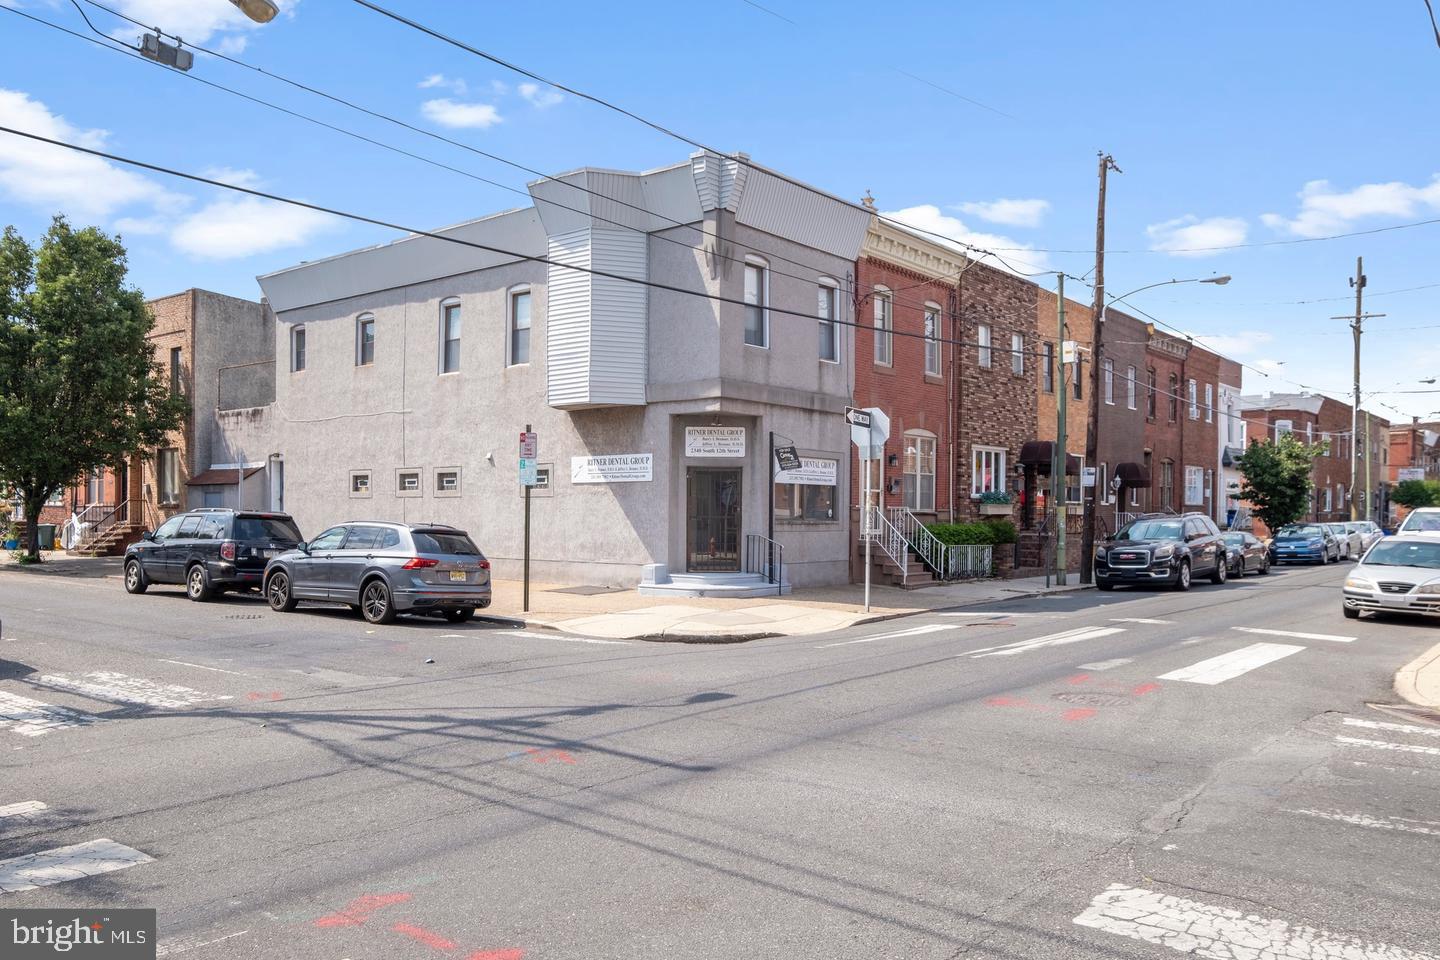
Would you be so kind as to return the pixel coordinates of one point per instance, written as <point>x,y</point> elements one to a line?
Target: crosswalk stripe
<point>529,635</point>
<point>1230,665</point>
<point>31,718</point>
<point>1398,824</point>
<point>118,688</point>
<point>909,632</point>
<point>1198,929</point>
<point>1137,620</point>
<point>1393,727</point>
<point>1295,634</point>
<point>74,862</point>
<point>1107,664</point>
<point>28,808</point>
<point>1052,640</point>
<point>1387,745</point>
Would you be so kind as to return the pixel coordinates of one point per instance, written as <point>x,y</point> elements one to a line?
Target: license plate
<point>457,576</point>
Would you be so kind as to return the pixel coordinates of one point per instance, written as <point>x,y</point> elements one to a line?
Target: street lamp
<point>1218,281</point>
<point>261,11</point>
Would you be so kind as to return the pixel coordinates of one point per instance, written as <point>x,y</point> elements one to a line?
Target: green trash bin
<point>47,536</point>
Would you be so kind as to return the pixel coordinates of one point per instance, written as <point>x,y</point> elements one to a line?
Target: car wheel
<point>460,616</point>
<point>135,580</point>
<point>376,605</point>
<point>197,584</point>
<point>1324,557</point>
<point>1182,579</point>
<point>1222,572</point>
<point>278,592</point>
<point>1264,567</point>
<point>1351,613</point>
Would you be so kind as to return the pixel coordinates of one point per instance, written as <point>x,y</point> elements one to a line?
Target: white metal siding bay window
<point>884,327</point>
<point>756,334</point>
<point>829,331</point>
<point>932,340</point>
<point>519,327</point>
<point>919,472</point>
<point>987,470</point>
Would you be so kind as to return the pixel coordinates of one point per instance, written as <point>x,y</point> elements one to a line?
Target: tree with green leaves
<point>1277,481</point>
<point>1415,493</point>
<point>80,388</point>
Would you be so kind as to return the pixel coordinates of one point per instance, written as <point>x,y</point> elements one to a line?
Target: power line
<point>1232,246</point>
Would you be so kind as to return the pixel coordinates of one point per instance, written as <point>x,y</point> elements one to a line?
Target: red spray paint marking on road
<point>1078,713</point>
<point>549,756</point>
<point>1145,688</point>
<point>360,909</point>
<point>264,695</point>
<point>431,939</point>
<point>1078,679</point>
<point>512,953</point>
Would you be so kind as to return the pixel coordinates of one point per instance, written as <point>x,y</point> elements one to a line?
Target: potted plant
<point>995,503</point>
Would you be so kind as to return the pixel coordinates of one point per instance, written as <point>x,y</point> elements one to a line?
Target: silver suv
<point>384,569</point>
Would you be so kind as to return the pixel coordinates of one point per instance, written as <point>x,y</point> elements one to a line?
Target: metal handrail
<point>118,514</point>
<point>766,558</point>
<point>928,547</point>
<point>890,540</point>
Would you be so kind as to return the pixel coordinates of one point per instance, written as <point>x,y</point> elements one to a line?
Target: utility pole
<point>1358,282</point>
<point>1092,432</point>
<point>1058,457</point>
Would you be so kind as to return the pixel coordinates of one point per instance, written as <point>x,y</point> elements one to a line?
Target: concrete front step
<point>714,585</point>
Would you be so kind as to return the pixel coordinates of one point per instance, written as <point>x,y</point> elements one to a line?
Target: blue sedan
<point>1304,543</point>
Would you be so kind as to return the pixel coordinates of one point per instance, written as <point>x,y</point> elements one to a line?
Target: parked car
<point>210,550</point>
<point>1304,543</point>
<point>1369,532</point>
<point>384,569</point>
<point>1420,520</point>
<point>1351,543</point>
<point>1162,548</point>
<point>1398,575</point>
<point>1246,553</point>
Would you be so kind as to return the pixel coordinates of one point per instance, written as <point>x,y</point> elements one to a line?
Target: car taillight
<point>419,563</point>
<point>227,550</point>
<point>484,564</point>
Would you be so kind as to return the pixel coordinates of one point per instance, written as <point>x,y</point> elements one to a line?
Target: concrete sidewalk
<point>624,614</point>
<point>1419,680</point>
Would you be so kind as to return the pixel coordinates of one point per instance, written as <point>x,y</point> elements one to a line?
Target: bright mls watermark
<point>81,934</point>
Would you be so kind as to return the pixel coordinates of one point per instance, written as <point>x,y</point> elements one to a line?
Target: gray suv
<point>384,569</point>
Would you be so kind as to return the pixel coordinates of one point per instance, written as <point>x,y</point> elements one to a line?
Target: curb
<point>1407,678</point>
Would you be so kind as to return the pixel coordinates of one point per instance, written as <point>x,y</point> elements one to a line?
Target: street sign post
<point>529,450</point>
<point>869,429</point>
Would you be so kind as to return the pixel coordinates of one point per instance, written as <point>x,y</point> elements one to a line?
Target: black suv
<point>210,550</point>
<point>1162,548</point>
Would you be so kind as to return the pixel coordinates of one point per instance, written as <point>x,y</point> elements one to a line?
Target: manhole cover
<point>1092,699</point>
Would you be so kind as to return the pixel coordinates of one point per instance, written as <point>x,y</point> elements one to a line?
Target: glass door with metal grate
<point>712,520</point>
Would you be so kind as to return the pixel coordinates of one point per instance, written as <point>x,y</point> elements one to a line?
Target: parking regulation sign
<point>529,446</point>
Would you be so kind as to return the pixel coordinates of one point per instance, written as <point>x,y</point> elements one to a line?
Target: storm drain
<point>1092,699</point>
<point>242,616</point>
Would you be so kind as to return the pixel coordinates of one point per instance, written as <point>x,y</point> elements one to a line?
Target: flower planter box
<point>995,509</point>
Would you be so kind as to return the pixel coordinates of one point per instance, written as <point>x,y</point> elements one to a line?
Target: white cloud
<point>453,84</point>
<point>1014,213</point>
<point>141,226</point>
<point>1189,236</point>
<point>450,113</point>
<point>195,20</point>
<point>238,226</point>
<point>1021,257</point>
<point>1241,344</point>
<point>236,178</point>
<point>62,181</point>
<point>539,98</point>
<point>1325,210</point>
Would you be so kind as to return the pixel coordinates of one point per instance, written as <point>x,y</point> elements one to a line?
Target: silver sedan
<point>1398,575</point>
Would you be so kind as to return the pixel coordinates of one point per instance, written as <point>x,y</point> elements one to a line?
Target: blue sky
<point>1232,122</point>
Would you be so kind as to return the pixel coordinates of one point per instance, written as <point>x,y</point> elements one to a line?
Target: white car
<point>1398,575</point>
<point>1368,530</point>
<point>1351,543</point>
<point>1420,520</point>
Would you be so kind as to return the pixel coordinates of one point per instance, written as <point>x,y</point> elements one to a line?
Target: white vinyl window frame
<point>450,328</point>
<point>297,348</point>
<point>982,349</point>
<point>1107,376</point>
<point>987,470</point>
<point>518,328</point>
<point>1209,403</point>
<point>1283,427</point>
<point>447,482</point>
<point>756,288</point>
<point>1017,354</point>
<point>1130,387</point>
<point>827,295</point>
<point>409,482</point>
<point>1102,480</point>
<point>917,470</point>
<point>360,486</point>
<point>1194,486</point>
<point>365,337</point>
<point>1192,394</point>
<point>884,312</point>
<point>932,339</point>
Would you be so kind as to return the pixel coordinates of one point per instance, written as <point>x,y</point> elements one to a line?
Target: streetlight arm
<point>1219,281</point>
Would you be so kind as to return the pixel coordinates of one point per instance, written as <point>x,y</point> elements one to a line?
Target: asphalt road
<point>1128,775</point>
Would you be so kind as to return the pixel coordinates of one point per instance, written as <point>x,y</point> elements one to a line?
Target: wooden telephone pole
<point>1097,347</point>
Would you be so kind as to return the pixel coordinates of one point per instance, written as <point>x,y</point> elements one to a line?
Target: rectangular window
<point>1150,392</point>
<point>1075,378</point>
<point>1130,387</point>
<point>519,327</point>
<point>1017,354</point>
<point>829,332</point>
<point>213,497</point>
<point>408,481</point>
<point>919,473</point>
<point>1107,375</point>
<point>450,338</point>
<point>884,329</point>
<point>360,483</point>
<point>1174,395</point>
<point>1047,375</point>
<point>1102,481</point>
<point>1209,403</point>
<point>447,481</point>
<point>366,334</point>
<point>1191,397</point>
<point>755,332</point>
<point>1194,486</point>
<point>987,470</point>
<point>982,338</point>
<point>932,340</point>
<point>175,370</point>
<point>1230,421</point>
<point>812,501</point>
<point>297,349</point>
<point>167,475</point>
<point>1074,491</point>
<point>1326,505</point>
<point>1209,487</point>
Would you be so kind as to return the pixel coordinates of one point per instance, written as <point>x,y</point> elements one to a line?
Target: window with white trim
<point>1209,403</point>
<point>918,471</point>
<point>982,338</point>
<point>1191,394</point>
<point>1074,485</point>
<point>1326,505</point>
<point>757,296</point>
<point>297,349</point>
<point>519,326</point>
<point>932,339</point>
<point>364,340</point>
<point>1047,375</point>
<point>1102,480</point>
<point>827,297</point>
<point>884,328</point>
<point>1282,427</point>
<point>1194,486</point>
<point>1107,374</point>
<point>450,337</point>
<point>1130,387</point>
<point>987,470</point>
<point>1017,354</point>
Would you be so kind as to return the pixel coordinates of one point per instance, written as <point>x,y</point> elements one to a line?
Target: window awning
<point>1231,456</point>
<point>221,477</point>
<point>1133,475</point>
<point>1039,455</point>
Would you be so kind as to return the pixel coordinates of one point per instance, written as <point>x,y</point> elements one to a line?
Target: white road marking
<point>201,666</point>
<point>1107,664</point>
<point>74,862</point>
<point>995,615</point>
<point>31,718</point>
<point>909,632</point>
<point>1230,665</point>
<point>1200,930</point>
<point>1387,745</point>
<point>27,809</point>
<point>1400,824</point>
<point>1137,620</point>
<point>176,945</point>
<point>1294,635</point>
<point>1395,727</point>
<point>527,635</point>
<point>1052,640</point>
<point>118,688</point>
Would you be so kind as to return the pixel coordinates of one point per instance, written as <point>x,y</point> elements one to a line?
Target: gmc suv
<point>1162,548</point>
<point>209,550</point>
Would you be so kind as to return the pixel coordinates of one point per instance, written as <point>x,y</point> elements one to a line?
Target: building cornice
<point>890,243</point>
